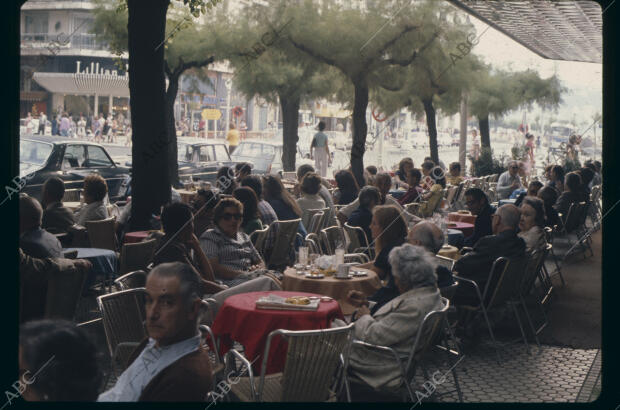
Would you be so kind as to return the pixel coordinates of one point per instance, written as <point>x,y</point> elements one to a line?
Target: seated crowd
<point>205,251</point>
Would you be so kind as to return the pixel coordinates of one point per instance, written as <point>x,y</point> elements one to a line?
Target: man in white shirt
<point>171,365</point>
<point>509,181</point>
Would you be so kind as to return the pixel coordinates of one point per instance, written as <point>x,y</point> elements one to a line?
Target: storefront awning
<point>84,84</point>
<point>558,30</point>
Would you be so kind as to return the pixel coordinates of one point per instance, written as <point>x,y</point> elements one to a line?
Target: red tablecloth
<point>466,228</point>
<point>238,319</point>
<point>133,237</point>
<point>456,217</point>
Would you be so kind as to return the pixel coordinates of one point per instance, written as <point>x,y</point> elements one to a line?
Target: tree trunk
<point>485,137</point>
<point>290,117</point>
<point>171,96</point>
<point>432,128</point>
<point>360,129</point>
<point>150,180</point>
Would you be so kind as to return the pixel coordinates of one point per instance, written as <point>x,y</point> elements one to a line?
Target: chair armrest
<point>471,282</point>
<point>206,330</point>
<point>359,256</point>
<point>248,366</point>
<point>384,349</point>
<point>466,249</point>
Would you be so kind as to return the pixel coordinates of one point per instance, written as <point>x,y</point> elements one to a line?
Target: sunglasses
<point>227,216</point>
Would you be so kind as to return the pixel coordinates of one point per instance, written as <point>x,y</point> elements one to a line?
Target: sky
<point>584,80</point>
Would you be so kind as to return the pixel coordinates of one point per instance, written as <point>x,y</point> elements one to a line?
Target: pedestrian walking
<point>321,154</point>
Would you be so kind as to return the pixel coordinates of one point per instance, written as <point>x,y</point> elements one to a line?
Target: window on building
<point>36,23</point>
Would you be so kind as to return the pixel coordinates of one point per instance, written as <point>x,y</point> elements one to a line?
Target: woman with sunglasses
<point>229,250</point>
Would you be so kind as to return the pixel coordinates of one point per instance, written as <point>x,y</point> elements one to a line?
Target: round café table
<point>460,217</point>
<point>455,238</point>
<point>135,237</point>
<point>104,263</point>
<point>330,286</point>
<point>239,320</point>
<point>466,228</point>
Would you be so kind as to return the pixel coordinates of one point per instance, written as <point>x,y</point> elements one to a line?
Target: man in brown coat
<point>171,365</point>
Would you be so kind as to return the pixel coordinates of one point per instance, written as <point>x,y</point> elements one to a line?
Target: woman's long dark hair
<point>273,189</point>
<point>347,185</point>
<point>250,203</point>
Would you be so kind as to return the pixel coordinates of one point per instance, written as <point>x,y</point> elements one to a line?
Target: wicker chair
<point>314,225</point>
<point>312,360</point>
<point>428,332</point>
<point>136,256</point>
<point>63,294</point>
<point>102,234</point>
<point>123,315</point>
<point>331,237</point>
<point>285,240</point>
<point>358,242</point>
<point>258,240</point>
<point>131,280</point>
<point>72,195</point>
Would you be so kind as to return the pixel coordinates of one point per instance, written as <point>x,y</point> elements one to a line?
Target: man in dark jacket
<point>34,240</point>
<point>172,365</point>
<point>478,204</point>
<point>56,217</point>
<point>476,265</point>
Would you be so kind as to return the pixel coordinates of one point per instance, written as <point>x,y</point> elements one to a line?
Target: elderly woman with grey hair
<point>397,322</point>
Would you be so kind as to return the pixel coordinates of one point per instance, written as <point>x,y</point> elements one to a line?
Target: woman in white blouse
<point>532,223</point>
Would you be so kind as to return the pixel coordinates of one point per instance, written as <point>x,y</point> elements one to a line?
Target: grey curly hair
<point>414,266</point>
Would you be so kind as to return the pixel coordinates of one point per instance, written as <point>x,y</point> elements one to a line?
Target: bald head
<point>30,213</point>
<point>428,235</point>
<point>507,218</point>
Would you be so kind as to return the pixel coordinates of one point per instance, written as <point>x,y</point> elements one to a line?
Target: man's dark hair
<point>428,165</point>
<point>30,210</point>
<point>455,165</point>
<point>175,216</point>
<point>254,182</point>
<point>244,167</point>
<point>369,194</point>
<point>247,197</point>
<point>477,194</point>
<point>598,165</point>
<point>95,186</point>
<point>549,195</point>
<point>311,183</point>
<point>64,358</point>
<point>321,125</point>
<point>210,197</point>
<point>586,175</point>
<point>573,181</point>
<point>372,170</point>
<point>189,280</point>
<point>558,171</point>
<point>54,187</point>
<point>415,173</point>
<point>303,170</point>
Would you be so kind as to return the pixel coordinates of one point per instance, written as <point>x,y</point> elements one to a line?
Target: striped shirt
<point>237,254</point>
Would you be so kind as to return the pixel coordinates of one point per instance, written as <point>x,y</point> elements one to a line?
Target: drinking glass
<point>339,256</point>
<point>312,259</point>
<point>303,255</point>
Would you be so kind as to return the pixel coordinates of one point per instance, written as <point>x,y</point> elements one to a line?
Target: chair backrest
<point>313,243</point>
<point>63,293</point>
<point>136,256</point>
<point>445,262</point>
<point>451,194</point>
<point>534,265</point>
<point>449,291</point>
<point>315,221</point>
<point>426,334</point>
<point>331,237</point>
<point>102,233</point>
<point>324,221</point>
<point>357,237</point>
<point>123,315</point>
<point>312,359</point>
<point>289,175</point>
<point>258,239</point>
<point>413,208</point>
<point>574,216</point>
<point>131,280</point>
<point>71,195</point>
<point>285,240</point>
<point>504,283</point>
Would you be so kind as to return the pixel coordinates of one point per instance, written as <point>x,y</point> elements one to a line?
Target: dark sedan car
<point>201,159</point>
<point>71,161</point>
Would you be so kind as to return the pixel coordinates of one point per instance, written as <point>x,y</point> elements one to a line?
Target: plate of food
<point>288,303</point>
<point>313,275</point>
<point>451,225</point>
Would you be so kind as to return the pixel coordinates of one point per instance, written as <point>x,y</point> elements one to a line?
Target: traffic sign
<point>211,114</point>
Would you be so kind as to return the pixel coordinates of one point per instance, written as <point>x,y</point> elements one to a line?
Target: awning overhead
<point>558,30</point>
<point>84,84</point>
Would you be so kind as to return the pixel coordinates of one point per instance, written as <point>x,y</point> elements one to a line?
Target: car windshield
<point>34,152</point>
<point>184,152</point>
<point>255,150</point>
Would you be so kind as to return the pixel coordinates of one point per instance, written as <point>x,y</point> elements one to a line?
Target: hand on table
<point>357,298</point>
<point>82,265</point>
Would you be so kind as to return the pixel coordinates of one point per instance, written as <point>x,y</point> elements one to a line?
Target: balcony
<point>77,41</point>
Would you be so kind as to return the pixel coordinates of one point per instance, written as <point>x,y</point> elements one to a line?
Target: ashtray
<point>319,276</point>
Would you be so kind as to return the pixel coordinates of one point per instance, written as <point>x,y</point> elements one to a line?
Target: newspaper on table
<point>279,303</point>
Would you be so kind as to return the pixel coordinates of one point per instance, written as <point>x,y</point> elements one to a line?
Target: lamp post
<point>228,84</point>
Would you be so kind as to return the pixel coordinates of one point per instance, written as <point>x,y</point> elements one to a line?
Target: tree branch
<point>392,41</point>
<point>407,61</point>
<point>197,64</point>
<point>312,53</point>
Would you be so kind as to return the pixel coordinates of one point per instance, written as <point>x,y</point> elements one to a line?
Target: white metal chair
<point>358,240</point>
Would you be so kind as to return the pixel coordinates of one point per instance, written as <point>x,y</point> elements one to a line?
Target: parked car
<point>201,159</point>
<point>265,157</point>
<point>71,161</point>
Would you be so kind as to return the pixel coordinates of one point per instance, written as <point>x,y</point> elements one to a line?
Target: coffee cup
<point>343,271</point>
